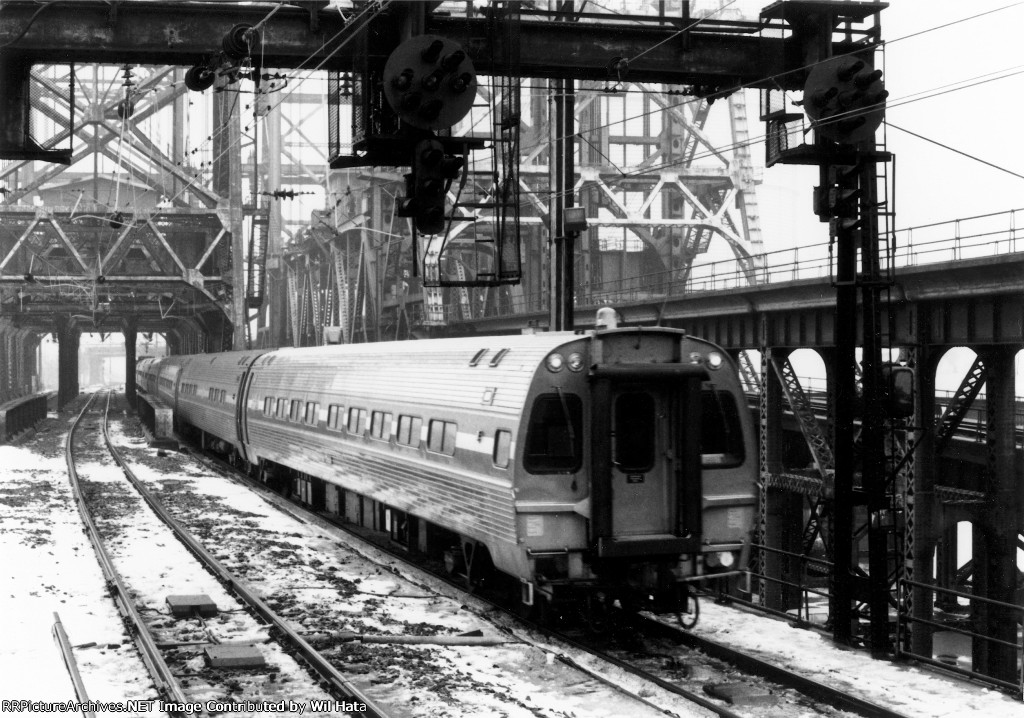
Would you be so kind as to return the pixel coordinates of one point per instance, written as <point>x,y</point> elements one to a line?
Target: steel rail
<point>320,665</point>
<point>772,672</point>
<point>61,636</point>
<point>166,683</point>
<point>305,515</point>
<point>749,664</point>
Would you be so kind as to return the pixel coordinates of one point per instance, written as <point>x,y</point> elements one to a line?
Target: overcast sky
<point>933,184</point>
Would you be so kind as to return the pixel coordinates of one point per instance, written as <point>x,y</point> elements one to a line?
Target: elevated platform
<point>21,414</point>
<point>157,417</point>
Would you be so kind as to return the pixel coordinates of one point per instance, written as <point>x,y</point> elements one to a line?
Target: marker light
<point>715,360</point>
<point>575,361</point>
<point>555,362</point>
<point>720,559</point>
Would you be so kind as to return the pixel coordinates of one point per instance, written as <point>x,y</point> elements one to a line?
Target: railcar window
<point>635,428</point>
<point>268,405</point>
<point>334,417</point>
<point>721,438</point>
<point>409,430</point>
<point>502,446</point>
<point>223,396</point>
<point>282,408</point>
<point>311,409</point>
<point>441,436</point>
<point>380,425</point>
<point>293,413</point>
<point>356,420</point>
<point>554,439</point>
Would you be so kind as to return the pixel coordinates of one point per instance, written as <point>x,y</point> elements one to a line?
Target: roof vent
<point>607,318</point>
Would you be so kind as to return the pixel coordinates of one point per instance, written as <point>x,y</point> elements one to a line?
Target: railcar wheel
<point>688,619</point>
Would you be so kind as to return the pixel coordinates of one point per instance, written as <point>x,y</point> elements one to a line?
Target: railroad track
<point>681,663</point>
<point>170,645</point>
<point>356,617</point>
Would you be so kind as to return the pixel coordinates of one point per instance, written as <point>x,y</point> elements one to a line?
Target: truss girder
<point>341,277</point>
<point>817,442</point>
<point>959,405</point>
<point>748,374</point>
<point>159,33</point>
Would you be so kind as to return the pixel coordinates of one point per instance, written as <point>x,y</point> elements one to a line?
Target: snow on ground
<point>917,692</point>
<point>47,565</point>
<point>420,680</point>
<point>154,565</point>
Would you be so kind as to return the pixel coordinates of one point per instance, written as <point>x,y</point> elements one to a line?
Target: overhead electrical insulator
<point>200,78</point>
<point>240,41</point>
<point>845,98</point>
<point>125,108</point>
<point>430,82</point>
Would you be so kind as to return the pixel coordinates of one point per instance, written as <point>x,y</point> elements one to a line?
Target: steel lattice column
<point>922,521</point>
<point>995,531</point>
<point>783,522</point>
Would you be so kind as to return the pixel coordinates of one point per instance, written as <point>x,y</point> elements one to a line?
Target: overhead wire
<point>777,76</point>
<point>914,97</point>
<point>355,22</point>
<point>591,129</point>
<point>953,149</point>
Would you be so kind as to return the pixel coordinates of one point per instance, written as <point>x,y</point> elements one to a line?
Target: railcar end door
<point>642,491</point>
<point>646,462</point>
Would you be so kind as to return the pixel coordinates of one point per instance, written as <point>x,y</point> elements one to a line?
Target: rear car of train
<point>638,468</point>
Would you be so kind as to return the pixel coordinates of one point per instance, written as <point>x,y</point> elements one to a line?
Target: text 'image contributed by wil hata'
<point>296,707</point>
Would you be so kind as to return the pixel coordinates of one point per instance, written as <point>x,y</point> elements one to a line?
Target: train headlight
<point>555,362</point>
<point>715,360</point>
<point>575,361</point>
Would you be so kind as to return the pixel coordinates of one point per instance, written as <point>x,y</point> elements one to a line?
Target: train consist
<point>615,465</point>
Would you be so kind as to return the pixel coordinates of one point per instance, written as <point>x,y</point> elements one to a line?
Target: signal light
<point>403,81</point>
<point>844,97</point>
<point>451,62</point>
<point>432,81</point>
<point>432,51</point>
<point>840,197</point>
<point>461,83</point>
<point>427,207</point>
<point>439,72</point>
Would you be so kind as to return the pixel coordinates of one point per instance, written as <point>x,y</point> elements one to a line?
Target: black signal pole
<point>563,174</point>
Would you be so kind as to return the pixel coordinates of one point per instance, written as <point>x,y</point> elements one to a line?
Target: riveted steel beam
<point>715,54</point>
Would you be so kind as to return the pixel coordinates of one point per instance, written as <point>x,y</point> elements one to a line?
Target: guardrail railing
<point>975,237</point>
<point>1012,612</point>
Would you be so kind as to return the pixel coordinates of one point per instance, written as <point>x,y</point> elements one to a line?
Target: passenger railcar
<point>619,462</point>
